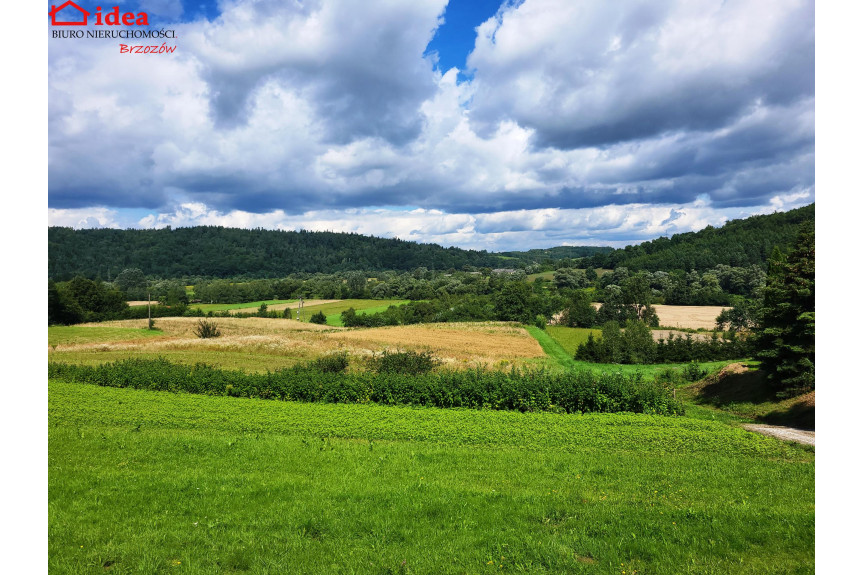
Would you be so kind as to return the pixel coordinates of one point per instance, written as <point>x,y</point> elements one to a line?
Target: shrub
<point>540,321</point>
<point>332,363</point>
<point>520,390</point>
<point>404,362</point>
<point>693,371</point>
<point>207,329</point>
<point>319,318</point>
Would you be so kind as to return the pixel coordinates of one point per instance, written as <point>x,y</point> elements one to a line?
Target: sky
<point>477,124</point>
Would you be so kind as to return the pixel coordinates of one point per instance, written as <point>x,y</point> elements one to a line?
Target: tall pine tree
<point>786,340</point>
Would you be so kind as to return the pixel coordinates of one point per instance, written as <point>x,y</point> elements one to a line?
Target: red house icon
<point>56,10</point>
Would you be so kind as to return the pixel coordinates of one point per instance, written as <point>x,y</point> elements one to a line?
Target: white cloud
<point>276,109</point>
<point>499,231</point>
<point>83,218</point>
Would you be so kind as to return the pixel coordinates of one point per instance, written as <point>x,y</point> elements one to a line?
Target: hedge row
<point>521,390</point>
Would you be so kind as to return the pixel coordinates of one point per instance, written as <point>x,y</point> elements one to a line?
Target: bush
<point>332,363</point>
<point>319,318</point>
<point>540,321</point>
<point>207,329</point>
<point>693,371</point>
<point>404,362</point>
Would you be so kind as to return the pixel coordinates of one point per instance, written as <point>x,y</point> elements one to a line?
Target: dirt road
<point>786,433</point>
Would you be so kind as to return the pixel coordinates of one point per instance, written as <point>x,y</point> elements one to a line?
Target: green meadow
<point>155,482</point>
<point>333,311</point>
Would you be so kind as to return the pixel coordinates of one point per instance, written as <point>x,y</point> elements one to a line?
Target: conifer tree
<point>785,342</point>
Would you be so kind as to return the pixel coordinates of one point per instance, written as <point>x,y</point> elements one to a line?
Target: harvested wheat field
<point>688,316</point>
<point>455,343</point>
<point>682,316</point>
<point>263,343</point>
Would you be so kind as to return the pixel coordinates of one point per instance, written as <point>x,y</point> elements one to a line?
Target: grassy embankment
<point>158,482</point>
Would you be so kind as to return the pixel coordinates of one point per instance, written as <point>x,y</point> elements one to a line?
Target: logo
<point>81,16</point>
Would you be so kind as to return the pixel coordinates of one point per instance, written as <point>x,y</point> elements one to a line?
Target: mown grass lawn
<point>153,482</point>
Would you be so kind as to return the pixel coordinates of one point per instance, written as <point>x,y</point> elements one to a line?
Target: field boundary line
<point>551,347</point>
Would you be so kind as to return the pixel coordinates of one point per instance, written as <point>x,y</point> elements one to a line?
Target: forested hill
<point>739,243</point>
<point>231,252</point>
<point>557,254</point>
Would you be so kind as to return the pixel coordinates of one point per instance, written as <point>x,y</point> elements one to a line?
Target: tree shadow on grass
<point>738,385</point>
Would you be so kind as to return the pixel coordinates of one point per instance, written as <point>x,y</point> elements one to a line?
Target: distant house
<point>55,10</point>
<point>503,271</point>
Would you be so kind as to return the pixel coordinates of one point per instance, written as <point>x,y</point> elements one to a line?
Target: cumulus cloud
<point>272,111</point>
<point>599,73</point>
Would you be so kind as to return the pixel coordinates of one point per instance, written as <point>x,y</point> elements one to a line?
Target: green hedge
<point>521,390</point>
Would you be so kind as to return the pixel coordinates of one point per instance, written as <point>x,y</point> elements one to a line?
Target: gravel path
<point>786,433</point>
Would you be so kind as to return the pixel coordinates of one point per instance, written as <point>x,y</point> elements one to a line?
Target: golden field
<point>260,344</point>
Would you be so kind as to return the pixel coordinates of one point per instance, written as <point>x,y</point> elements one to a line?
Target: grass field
<point>156,482</point>
<point>553,339</point>
<point>570,338</point>
<point>333,311</point>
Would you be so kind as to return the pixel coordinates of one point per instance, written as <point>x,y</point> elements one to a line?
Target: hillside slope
<point>738,243</point>
<point>231,252</point>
